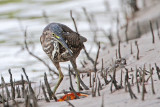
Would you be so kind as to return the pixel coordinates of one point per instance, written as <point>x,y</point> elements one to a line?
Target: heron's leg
<point>79,81</point>
<point>73,62</point>
<point>60,77</point>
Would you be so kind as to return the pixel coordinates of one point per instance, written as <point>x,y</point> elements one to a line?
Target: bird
<point>62,44</point>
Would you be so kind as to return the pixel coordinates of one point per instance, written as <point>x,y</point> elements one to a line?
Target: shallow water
<point>16,16</point>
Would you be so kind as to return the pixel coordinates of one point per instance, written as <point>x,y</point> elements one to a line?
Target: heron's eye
<point>55,36</point>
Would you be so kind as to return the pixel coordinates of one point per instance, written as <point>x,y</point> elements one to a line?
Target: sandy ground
<point>149,54</point>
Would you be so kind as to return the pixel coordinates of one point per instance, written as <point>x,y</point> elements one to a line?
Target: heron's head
<point>57,32</point>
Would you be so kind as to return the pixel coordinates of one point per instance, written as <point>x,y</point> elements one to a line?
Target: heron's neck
<point>56,48</point>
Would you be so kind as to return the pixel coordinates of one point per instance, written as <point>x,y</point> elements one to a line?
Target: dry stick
<point>88,56</point>
<point>44,93</point>
<point>153,38</point>
<point>95,62</point>
<point>12,85</point>
<point>18,92</point>
<point>6,88</point>
<point>137,50</point>
<point>140,76</point>
<point>131,92</point>
<point>139,31</point>
<point>109,37</point>
<point>126,30</point>
<point>26,46</point>
<point>71,71</point>
<point>116,54</point>
<point>99,86</point>
<point>119,49</point>
<point>119,39</point>
<point>111,83</point>
<point>102,68</point>
<point>71,85</point>
<point>102,105</point>
<point>73,21</point>
<point>151,73</point>
<point>82,64</point>
<point>137,80</point>
<point>3,97</point>
<point>157,25</point>
<point>158,71</point>
<point>132,78</point>
<point>27,101</point>
<point>23,87</point>
<point>131,48</point>
<point>121,80</point>
<point>126,80</point>
<point>143,85</point>
<point>45,16</point>
<point>50,93</point>
<point>93,92</point>
<point>90,77</point>
<point>32,93</point>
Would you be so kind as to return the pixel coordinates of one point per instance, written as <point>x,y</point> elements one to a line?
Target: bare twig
<point>109,37</point>
<point>126,30</point>
<point>12,85</point>
<point>44,93</point>
<point>131,48</point>
<point>139,31</point>
<point>157,25</point>
<point>126,79</point>
<point>121,80</point>
<point>153,38</point>
<point>50,93</point>
<point>23,87</point>
<point>73,21</point>
<point>137,50</point>
<point>151,73</point>
<point>131,92</point>
<point>143,85</point>
<point>119,39</point>
<point>6,88</point>
<point>88,56</point>
<point>158,71</point>
<point>95,62</point>
<point>32,93</point>
<point>137,80</point>
<point>119,49</point>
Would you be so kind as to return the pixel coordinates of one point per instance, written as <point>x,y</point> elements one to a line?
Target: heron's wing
<point>66,28</point>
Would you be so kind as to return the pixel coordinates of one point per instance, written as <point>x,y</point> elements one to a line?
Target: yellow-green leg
<point>60,77</point>
<point>73,62</point>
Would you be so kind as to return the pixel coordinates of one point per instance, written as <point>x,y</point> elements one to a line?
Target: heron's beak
<point>63,43</point>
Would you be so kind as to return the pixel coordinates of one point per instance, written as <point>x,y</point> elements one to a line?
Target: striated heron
<point>62,44</point>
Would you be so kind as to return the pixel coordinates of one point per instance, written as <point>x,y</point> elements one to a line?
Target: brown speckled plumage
<point>72,39</point>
